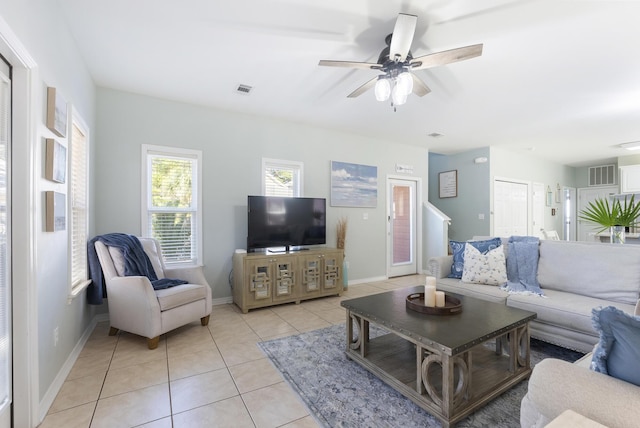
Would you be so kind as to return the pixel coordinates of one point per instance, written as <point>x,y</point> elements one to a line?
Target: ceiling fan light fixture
<point>405,82</point>
<point>382,89</point>
<point>398,96</point>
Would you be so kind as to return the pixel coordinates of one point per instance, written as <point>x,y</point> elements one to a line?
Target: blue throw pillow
<point>618,352</point>
<point>457,249</point>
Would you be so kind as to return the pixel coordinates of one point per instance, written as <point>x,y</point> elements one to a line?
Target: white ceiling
<point>558,79</point>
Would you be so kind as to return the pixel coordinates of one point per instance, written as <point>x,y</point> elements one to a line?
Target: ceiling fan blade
<point>364,88</point>
<point>419,87</point>
<point>446,57</point>
<point>402,36</point>
<point>350,64</point>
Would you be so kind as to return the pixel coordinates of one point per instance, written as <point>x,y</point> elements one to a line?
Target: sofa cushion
<point>618,351</point>
<point>566,310</point>
<point>457,249</point>
<point>479,291</point>
<point>603,271</point>
<point>180,295</point>
<point>489,268</point>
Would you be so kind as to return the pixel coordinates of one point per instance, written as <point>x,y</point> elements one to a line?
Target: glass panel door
<point>402,227</point>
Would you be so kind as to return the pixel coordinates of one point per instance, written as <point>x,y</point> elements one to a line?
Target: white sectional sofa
<point>557,385</point>
<point>575,277</point>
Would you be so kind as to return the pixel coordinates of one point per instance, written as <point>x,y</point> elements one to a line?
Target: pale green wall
<point>41,30</point>
<point>475,186</point>
<point>233,146</point>
<point>473,192</point>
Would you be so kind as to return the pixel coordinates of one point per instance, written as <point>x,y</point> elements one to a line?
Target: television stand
<point>264,279</point>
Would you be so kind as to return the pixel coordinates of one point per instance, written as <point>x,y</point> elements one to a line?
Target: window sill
<point>77,289</point>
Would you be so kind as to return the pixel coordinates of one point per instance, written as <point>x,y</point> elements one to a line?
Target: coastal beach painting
<point>353,185</point>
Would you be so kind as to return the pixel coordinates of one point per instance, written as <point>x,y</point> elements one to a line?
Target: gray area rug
<point>340,393</point>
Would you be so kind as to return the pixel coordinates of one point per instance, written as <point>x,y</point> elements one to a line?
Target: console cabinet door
<point>284,278</point>
<point>312,272</point>
<point>332,271</point>
<point>258,281</point>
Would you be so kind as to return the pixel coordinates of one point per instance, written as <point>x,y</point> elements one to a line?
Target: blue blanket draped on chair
<point>136,263</point>
<point>522,265</point>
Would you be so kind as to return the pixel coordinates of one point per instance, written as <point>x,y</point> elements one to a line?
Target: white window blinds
<point>281,178</point>
<point>78,201</point>
<point>172,205</point>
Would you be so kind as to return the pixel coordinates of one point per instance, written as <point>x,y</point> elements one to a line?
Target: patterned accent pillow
<point>489,268</point>
<point>617,353</point>
<point>457,248</point>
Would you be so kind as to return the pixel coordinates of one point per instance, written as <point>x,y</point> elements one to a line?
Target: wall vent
<point>244,89</point>
<point>603,175</point>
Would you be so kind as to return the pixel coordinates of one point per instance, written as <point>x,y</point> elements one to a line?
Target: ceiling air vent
<point>603,175</point>
<point>244,89</point>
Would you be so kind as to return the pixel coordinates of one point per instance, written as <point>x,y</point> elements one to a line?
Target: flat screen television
<point>275,221</point>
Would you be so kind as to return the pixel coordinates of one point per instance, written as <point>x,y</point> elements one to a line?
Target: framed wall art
<point>56,162</point>
<point>448,184</point>
<point>353,185</point>
<point>56,112</point>
<point>56,211</point>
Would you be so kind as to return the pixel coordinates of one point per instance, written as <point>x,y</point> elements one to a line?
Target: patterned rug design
<point>340,393</point>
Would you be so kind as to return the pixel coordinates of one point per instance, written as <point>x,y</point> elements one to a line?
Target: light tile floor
<point>213,376</point>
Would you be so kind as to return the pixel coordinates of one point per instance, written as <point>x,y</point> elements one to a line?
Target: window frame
<point>75,288</point>
<point>296,166</point>
<point>146,206</point>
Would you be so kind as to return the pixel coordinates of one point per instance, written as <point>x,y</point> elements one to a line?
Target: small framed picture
<point>56,112</point>
<point>448,183</point>
<point>56,162</point>
<point>56,211</point>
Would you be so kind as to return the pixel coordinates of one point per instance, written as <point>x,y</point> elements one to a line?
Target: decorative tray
<point>452,305</point>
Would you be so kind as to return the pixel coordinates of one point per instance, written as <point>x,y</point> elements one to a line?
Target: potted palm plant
<point>615,215</point>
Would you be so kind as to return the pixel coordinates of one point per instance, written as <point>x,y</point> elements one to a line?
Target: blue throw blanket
<point>136,263</point>
<point>522,265</point>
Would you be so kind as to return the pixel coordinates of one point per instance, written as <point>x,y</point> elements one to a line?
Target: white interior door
<point>569,215</point>
<point>510,208</point>
<point>402,227</point>
<point>538,210</point>
<point>586,230</point>
<point>6,383</point>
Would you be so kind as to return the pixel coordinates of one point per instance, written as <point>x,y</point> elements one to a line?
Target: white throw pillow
<point>489,268</point>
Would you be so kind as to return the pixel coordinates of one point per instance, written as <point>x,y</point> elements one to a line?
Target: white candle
<point>429,296</point>
<point>430,280</point>
<point>439,299</point>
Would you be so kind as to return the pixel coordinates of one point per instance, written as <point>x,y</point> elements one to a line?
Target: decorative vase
<point>345,274</point>
<point>617,234</point>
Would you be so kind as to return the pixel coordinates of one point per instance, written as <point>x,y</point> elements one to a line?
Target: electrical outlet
<point>55,336</point>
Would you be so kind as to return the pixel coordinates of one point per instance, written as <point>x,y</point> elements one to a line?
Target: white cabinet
<point>630,179</point>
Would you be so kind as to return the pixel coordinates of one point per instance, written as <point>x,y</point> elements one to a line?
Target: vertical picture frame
<point>56,112</point>
<point>448,184</point>
<point>56,162</point>
<point>56,211</point>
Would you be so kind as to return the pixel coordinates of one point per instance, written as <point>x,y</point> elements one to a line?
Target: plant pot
<point>617,234</point>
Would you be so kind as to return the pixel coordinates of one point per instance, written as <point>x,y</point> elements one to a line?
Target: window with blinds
<point>172,203</point>
<point>78,205</point>
<point>281,178</point>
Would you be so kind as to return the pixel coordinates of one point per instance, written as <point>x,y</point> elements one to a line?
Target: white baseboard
<point>56,385</point>
<point>222,301</point>
<point>365,280</point>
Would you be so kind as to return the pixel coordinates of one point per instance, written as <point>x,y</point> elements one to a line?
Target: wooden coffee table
<point>441,362</point>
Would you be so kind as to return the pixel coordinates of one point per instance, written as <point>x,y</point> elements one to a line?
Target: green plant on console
<point>615,213</point>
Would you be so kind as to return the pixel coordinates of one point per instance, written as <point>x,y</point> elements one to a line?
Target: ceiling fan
<point>397,63</point>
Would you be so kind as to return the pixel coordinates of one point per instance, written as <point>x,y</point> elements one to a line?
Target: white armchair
<point>134,305</point>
